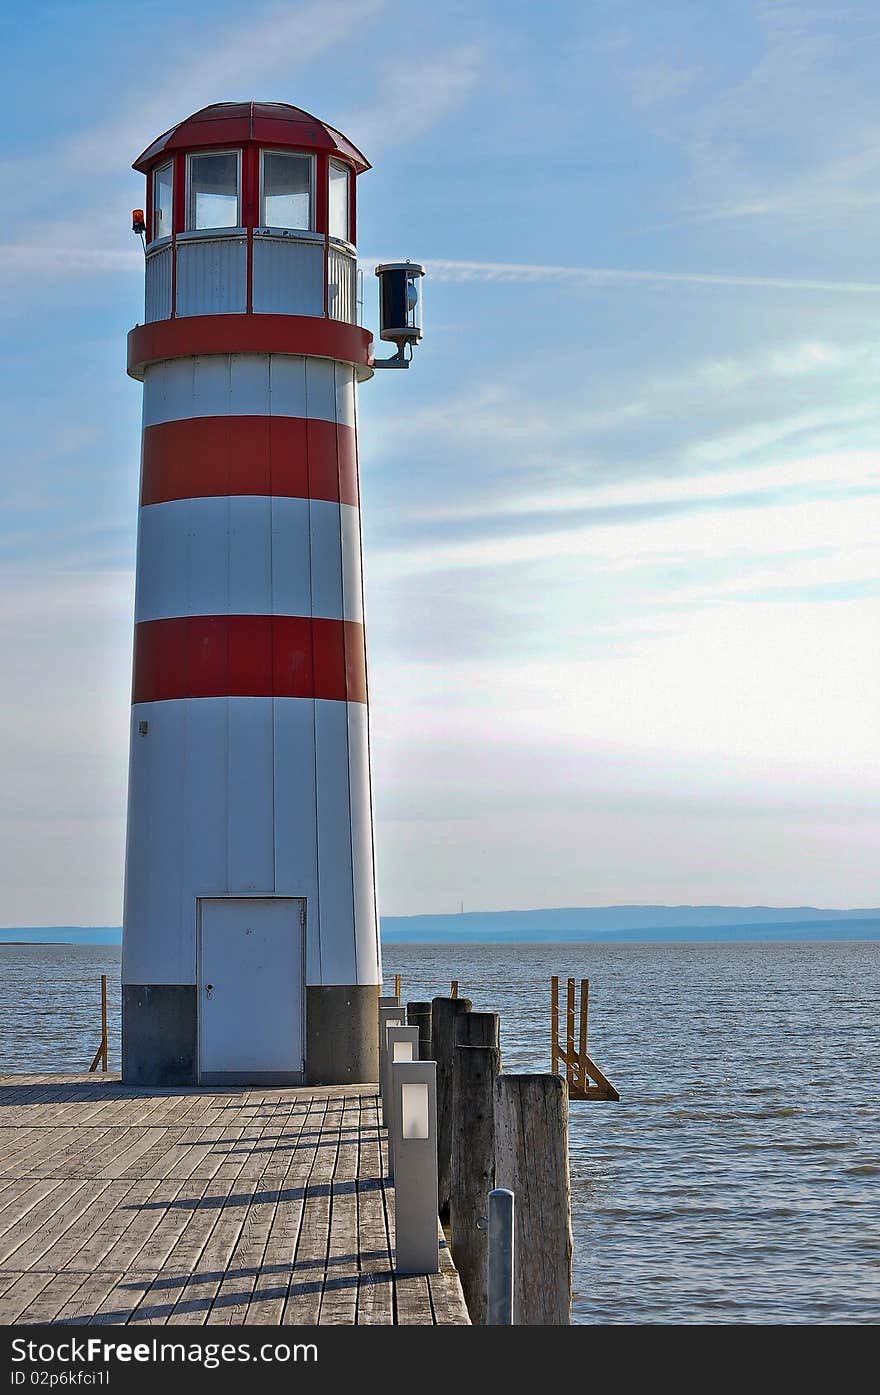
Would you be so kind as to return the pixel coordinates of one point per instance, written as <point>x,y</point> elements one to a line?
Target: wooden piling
<point>444,1012</point>
<point>531,1159</point>
<point>104,1021</point>
<point>419,1015</point>
<point>478,1029</point>
<point>475,1072</point>
<point>569,1035</point>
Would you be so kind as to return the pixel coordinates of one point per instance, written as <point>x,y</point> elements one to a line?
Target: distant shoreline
<point>634,939</point>
<point>579,925</point>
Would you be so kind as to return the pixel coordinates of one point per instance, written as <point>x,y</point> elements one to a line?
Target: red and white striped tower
<point>251,948</point>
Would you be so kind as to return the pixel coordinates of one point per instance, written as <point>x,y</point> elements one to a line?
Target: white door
<point>251,989</point>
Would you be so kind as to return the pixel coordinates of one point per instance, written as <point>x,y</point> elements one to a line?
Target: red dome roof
<point>266,123</point>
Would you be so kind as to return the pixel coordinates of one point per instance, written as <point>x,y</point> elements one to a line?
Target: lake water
<point>739,1178</point>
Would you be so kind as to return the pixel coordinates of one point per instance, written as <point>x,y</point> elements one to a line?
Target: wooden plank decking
<point>228,1206</point>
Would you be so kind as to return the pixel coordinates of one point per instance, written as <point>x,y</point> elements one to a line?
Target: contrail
<point>444,269</point>
<point>57,259</point>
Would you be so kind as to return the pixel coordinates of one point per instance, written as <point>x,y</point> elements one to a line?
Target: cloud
<point>661,81</point>
<point>61,259</point>
<point>275,41</point>
<point>852,473</point>
<point>717,412</point>
<point>718,745</point>
<point>412,99</point>
<point>63,739</point>
<point>756,458</point>
<point>697,531</point>
<point>797,137</point>
<point>416,96</point>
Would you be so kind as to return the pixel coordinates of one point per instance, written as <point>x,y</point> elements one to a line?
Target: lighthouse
<point>250,933</point>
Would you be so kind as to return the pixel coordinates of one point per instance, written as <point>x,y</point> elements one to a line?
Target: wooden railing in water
<point>101,1053</point>
<point>584,1079</point>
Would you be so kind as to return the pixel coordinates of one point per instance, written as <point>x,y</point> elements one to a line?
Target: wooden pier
<point>236,1206</point>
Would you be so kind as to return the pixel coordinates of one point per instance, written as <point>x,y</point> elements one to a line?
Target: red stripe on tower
<point>282,656</point>
<point>287,457</point>
<point>249,334</point>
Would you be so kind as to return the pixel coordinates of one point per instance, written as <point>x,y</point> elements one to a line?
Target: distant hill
<point>635,923</point>
<point>569,925</point>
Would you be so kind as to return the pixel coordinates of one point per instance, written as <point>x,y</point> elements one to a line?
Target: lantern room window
<point>286,190</point>
<point>163,193</point>
<point>214,190</point>
<point>338,209</point>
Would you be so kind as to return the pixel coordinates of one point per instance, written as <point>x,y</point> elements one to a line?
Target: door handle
<point>209,989</point>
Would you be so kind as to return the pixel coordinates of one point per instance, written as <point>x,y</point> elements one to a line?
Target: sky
<point>620,517</point>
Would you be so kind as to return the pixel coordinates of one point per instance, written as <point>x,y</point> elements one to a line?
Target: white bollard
<point>388,1016</point>
<point>402,1044</point>
<point>416,1225</point>
<point>501,1260</point>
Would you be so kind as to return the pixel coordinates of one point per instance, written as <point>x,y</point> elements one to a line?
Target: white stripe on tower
<point>249,555</point>
<point>215,385</point>
<point>200,825</point>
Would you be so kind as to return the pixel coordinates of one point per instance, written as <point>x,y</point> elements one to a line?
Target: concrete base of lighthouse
<point>160,1038</point>
<point>342,1035</point>
<point>159,1034</point>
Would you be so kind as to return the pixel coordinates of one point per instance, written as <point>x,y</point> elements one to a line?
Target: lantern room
<point>251,209</point>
